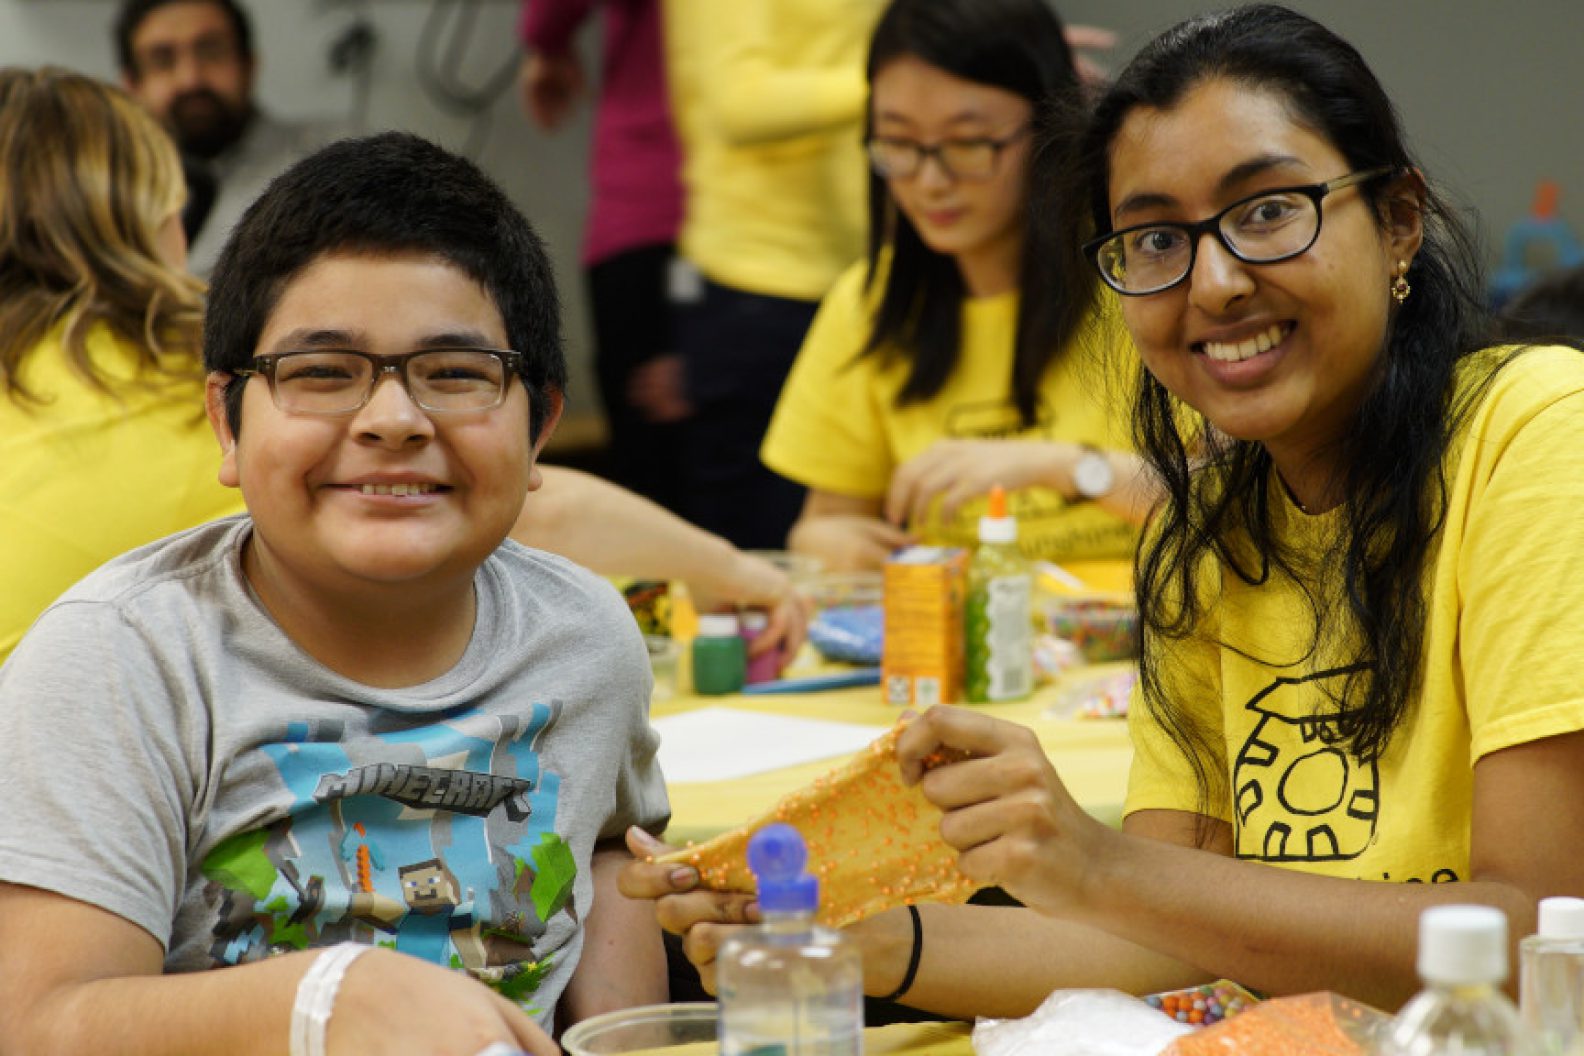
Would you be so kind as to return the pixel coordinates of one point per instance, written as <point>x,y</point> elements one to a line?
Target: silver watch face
<point>1092,475</point>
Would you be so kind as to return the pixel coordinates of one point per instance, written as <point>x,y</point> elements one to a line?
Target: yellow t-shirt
<point>1505,591</point>
<point>84,478</point>
<point>768,97</point>
<point>838,428</point>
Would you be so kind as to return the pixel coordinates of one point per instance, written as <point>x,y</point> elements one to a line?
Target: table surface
<point>898,1039</point>
<point>1091,754</point>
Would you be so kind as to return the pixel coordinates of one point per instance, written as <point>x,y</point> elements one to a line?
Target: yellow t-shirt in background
<point>838,427</point>
<point>768,97</point>
<point>85,477</point>
<point>1501,657</point>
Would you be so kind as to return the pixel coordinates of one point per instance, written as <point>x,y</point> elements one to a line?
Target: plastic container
<point>720,662</point>
<point>788,986</point>
<point>643,1028</point>
<point>662,664</point>
<point>1551,979</point>
<point>999,643</point>
<point>766,667</point>
<point>1462,1010</point>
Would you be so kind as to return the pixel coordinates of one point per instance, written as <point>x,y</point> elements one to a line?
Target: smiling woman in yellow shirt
<point>927,376</point>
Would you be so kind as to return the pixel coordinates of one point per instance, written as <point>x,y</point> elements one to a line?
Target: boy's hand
<point>705,919</point>
<point>751,582</point>
<point>391,1004</point>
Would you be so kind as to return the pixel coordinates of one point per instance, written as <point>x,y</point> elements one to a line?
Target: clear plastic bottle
<point>1551,979</point>
<point>788,987</point>
<point>999,654</point>
<point>1462,1010</point>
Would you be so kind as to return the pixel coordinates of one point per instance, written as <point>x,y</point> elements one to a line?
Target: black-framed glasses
<point>340,381</point>
<point>1263,228</point>
<point>961,159</point>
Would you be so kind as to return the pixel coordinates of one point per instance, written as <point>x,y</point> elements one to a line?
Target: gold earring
<point>1399,287</point>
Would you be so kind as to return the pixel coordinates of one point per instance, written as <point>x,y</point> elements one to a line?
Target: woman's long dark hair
<point>1369,603</point>
<point>1016,45</point>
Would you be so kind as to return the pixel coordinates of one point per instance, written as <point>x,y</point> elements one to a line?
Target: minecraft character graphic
<point>440,842</point>
<point>1298,795</point>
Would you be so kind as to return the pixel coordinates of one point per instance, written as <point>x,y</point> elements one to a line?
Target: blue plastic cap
<point>777,854</point>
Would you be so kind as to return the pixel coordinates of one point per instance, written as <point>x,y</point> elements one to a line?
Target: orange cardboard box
<point>922,663</point>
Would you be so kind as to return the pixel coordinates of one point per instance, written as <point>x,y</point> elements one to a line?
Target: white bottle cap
<point>1562,918</point>
<point>1462,945</point>
<point>998,529</point>
<point>718,625</point>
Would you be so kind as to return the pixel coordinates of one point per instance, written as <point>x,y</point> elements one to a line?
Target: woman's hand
<point>1007,814</point>
<point>390,1003</point>
<point>847,542</point>
<point>955,471</point>
<point>705,919</point>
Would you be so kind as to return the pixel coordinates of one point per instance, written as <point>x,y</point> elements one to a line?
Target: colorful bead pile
<point>1201,1006</point>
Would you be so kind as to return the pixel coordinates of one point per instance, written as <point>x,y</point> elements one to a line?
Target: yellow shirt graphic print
<point>1299,796</point>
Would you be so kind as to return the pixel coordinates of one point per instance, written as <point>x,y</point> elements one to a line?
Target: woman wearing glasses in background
<point>928,376</point>
<point>1363,601</point>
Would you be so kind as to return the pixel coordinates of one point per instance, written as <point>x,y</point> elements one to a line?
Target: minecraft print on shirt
<point>438,841</point>
<point>1298,795</point>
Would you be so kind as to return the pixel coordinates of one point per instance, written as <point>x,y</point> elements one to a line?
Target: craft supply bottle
<point>999,650</point>
<point>1462,1009</point>
<point>720,663</point>
<point>1551,979</point>
<point>766,667</point>
<point>788,986</point>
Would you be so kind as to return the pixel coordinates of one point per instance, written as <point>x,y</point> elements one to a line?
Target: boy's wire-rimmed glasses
<point>341,381</point>
<point>960,159</point>
<point>1263,228</point>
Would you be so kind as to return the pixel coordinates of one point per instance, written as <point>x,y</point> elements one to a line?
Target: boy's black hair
<point>133,12</point>
<point>392,193</point>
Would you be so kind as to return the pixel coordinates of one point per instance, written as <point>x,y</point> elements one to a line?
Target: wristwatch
<point>1092,475</point>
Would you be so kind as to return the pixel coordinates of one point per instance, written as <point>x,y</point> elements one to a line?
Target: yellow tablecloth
<point>1091,755</point>
<point>898,1039</point>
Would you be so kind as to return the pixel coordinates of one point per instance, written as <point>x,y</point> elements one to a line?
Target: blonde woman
<point>103,444</point>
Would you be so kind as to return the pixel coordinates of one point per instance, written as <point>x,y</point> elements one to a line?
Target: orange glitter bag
<point>1323,1024</point>
<point>873,842</point>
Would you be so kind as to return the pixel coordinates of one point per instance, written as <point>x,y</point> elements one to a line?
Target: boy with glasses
<point>356,736</point>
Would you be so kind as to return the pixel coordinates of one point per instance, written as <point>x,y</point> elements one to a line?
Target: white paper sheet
<point>718,743</point>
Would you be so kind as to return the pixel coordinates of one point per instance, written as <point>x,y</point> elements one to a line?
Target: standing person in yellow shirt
<point>927,377</point>
<point>768,100</point>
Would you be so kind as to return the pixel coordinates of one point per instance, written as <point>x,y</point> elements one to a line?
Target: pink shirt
<point>636,197</point>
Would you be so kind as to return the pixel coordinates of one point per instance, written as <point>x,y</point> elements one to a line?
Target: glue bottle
<point>999,653</point>
<point>788,986</point>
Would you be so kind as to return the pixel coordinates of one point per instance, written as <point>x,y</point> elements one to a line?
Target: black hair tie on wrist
<point>913,959</point>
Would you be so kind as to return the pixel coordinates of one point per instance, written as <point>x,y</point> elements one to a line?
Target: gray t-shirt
<point>169,755</point>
